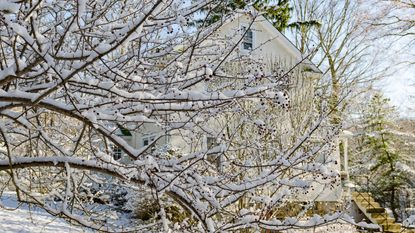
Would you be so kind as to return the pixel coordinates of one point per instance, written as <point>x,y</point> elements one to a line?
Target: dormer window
<point>248,40</point>
<point>148,139</point>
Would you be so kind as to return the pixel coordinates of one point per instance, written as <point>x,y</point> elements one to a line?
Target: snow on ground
<point>330,228</point>
<point>30,219</point>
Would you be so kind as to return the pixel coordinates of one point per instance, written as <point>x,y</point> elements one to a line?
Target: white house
<point>262,41</point>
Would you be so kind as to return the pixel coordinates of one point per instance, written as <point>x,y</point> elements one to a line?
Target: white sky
<point>400,88</point>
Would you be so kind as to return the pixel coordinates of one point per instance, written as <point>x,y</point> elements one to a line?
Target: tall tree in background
<point>339,46</point>
<point>394,19</point>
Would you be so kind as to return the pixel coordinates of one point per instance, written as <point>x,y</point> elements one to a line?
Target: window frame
<point>117,152</point>
<point>243,28</point>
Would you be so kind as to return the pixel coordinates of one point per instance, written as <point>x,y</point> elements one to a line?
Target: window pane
<point>116,152</point>
<point>247,42</point>
<point>210,142</point>
<point>247,46</point>
<point>248,35</point>
<point>148,139</point>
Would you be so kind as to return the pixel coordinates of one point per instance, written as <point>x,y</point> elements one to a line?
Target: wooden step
<point>369,205</point>
<point>357,194</point>
<point>381,220</point>
<point>391,227</point>
<point>375,210</point>
<point>363,195</point>
<point>359,198</point>
<point>380,215</point>
<point>364,199</point>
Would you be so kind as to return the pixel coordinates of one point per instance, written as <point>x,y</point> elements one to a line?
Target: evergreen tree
<point>378,155</point>
<point>278,12</point>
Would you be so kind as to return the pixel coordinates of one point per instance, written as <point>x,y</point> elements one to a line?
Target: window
<point>116,152</point>
<point>210,142</point>
<point>214,158</point>
<point>147,140</point>
<point>248,40</point>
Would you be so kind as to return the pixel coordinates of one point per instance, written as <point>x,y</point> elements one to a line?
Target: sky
<point>399,85</point>
<point>400,88</point>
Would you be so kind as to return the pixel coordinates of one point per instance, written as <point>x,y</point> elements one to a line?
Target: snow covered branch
<point>100,97</point>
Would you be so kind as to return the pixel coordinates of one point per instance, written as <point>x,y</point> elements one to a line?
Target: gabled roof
<point>295,52</point>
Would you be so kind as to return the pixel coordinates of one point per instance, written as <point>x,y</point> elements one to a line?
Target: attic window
<point>248,40</point>
<point>116,152</point>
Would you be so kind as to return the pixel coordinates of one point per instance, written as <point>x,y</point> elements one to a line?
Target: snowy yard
<point>30,218</point>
